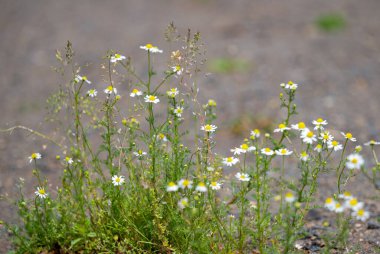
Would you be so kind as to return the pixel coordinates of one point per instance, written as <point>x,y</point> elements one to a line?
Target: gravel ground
<point>278,40</point>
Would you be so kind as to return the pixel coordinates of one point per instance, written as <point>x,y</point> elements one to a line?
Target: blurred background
<point>330,48</point>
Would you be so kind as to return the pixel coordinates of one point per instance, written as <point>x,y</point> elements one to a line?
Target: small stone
<point>373,225</point>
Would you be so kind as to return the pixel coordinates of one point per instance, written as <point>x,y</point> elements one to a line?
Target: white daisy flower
<point>372,143</point>
<point>92,93</point>
<point>326,137</point>
<point>330,204</point>
<point>281,128</point>
<point>230,161</point>
<point>185,183</point>
<point>334,145</point>
<point>178,111</point>
<point>290,85</point>
<point>338,208</point>
<point>201,187</point>
<point>361,214</point>
<point>173,92</point>
<point>318,148</point>
<point>349,136</point>
<point>215,185</point>
<point>267,151</point>
<point>139,153</point>
<point>319,123</point>
<point>354,161</point>
<point>242,177</point>
<point>308,136</point>
<point>208,128</point>
<point>41,193</point>
<point>149,47</point>
<point>69,160</point>
<point>299,126</point>
<point>346,195</point>
<point>183,203</point>
<point>162,137</point>
<point>177,69</point>
<point>289,197</point>
<point>236,151</point>
<point>151,99</point>
<point>118,180</point>
<point>34,156</point>
<point>255,133</point>
<point>135,92</point>
<point>283,152</point>
<point>172,187</point>
<point>117,57</point>
<point>304,156</point>
<point>246,148</point>
<point>79,78</point>
<point>110,90</point>
<point>354,204</point>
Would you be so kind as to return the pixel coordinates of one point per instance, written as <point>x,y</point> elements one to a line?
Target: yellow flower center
<point>34,156</point>
<point>360,212</point>
<point>244,146</point>
<point>281,126</point>
<point>334,143</point>
<point>208,127</point>
<point>214,184</point>
<point>347,194</point>
<point>354,160</point>
<point>301,125</point>
<point>283,151</point>
<point>310,134</point>
<point>152,98</point>
<point>149,46</point>
<point>186,183</point>
<point>84,78</point>
<point>319,146</point>
<point>42,191</point>
<point>110,88</point>
<point>117,56</point>
<point>329,200</point>
<point>229,159</point>
<point>117,179</point>
<point>348,135</point>
<point>303,154</point>
<point>135,91</point>
<point>353,202</point>
<point>338,205</point>
<point>171,184</point>
<point>290,82</point>
<point>242,177</point>
<point>289,195</point>
<point>267,150</point>
<point>319,120</point>
<point>325,136</point>
<point>201,184</point>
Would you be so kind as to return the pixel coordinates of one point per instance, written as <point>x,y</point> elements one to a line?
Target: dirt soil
<point>339,72</point>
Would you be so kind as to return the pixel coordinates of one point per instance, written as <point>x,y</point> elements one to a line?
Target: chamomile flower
<point>162,137</point>
<point>244,148</point>
<point>299,126</point>
<point>318,148</point>
<point>290,85</point>
<point>149,47</point>
<point>326,137</point>
<point>69,160</point>
<point>41,193</point>
<point>267,151</point>
<point>117,57</point>
<point>211,103</point>
<point>346,195</point>
<point>151,99</point>
<point>209,128</point>
<point>178,111</point>
<point>358,148</point>
<point>283,152</point>
<point>338,208</point>
<point>183,203</point>
<point>372,143</point>
<point>201,187</point>
<point>334,145</point>
<point>354,161</point>
<point>135,92</point>
<point>361,215</point>
<point>319,123</point>
<point>110,90</point>
<point>348,136</point>
<point>289,197</point>
<point>34,156</point>
<point>173,92</point>
<point>185,183</point>
<point>177,69</point>
<point>139,153</point>
<point>172,187</point>
<point>304,156</point>
<point>281,128</point>
<point>330,204</point>
<point>230,161</point>
<point>255,133</point>
<point>92,93</point>
<point>118,180</point>
<point>354,204</point>
<point>242,177</point>
<point>308,136</point>
<point>79,78</point>
<point>215,185</point>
